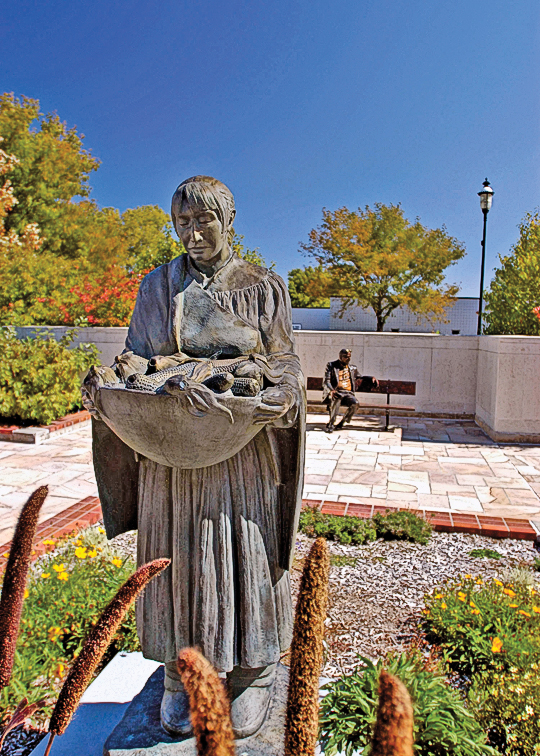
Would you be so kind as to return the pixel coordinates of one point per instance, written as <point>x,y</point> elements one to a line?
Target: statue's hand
<point>98,376</point>
<point>196,398</point>
<point>275,402</point>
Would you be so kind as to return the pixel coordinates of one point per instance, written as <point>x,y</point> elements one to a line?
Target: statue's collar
<point>203,279</point>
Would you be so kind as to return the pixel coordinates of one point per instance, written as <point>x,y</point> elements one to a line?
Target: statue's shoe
<point>175,718</point>
<point>249,710</point>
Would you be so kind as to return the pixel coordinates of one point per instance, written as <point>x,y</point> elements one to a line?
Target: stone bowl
<point>160,428</point>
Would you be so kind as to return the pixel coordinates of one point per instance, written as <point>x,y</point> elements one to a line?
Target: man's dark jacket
<point>331,378</point>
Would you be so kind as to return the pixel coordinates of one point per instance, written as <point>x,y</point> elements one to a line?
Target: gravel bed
<point>376,601</point>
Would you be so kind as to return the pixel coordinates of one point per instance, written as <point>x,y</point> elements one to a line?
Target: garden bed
<point>28,432</point>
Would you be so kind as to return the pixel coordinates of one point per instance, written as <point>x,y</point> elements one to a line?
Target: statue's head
<point>203,212</point>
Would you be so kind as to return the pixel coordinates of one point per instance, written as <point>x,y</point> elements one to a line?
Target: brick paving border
<point>88,511</point>
<point>446,522</point>
<point>68,421</point>
<point>80,515</point>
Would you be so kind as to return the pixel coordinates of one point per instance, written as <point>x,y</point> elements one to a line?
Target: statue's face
<point>202,233</point>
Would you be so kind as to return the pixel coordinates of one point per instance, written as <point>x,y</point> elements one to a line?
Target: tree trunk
<point>380,322</point>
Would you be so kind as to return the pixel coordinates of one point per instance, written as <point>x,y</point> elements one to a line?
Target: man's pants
<point>345,398</point>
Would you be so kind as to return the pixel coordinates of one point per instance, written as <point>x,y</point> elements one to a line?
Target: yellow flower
<point>472,604</point>
<point>509,592</point>
<point>63,576</point>
<point>26,593</point>
<point>5,554</point>
<point>479,581</point>
<point>439,596</point>
<point>498,582</point>
<point>78,543</point>
<point>468,577</point>
<point>54,632</point>
<point>92,554</point>
<point>461,596</point>
<point>49,542</point>
<point>525,614</point>
<point>80,552</point>
<point>117,562</point>
<point>59,671</point>
<point>513,606</point>
<point>443,605</point>
<point>101,530</point>
<point>496,646</point>
<point>58,567</point>
<point>475,611</point>
<point>45,575</point>
<point>536,609</point>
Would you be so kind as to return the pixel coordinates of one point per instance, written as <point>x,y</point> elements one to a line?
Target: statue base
<point>139,733</point>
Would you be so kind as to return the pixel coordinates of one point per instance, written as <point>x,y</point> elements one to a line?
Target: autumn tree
<point>513,299</point>
<point>299,282</point>
<point>376,259</point>
<point>250,255</point>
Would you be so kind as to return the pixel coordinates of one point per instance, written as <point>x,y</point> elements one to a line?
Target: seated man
<point>339,386</point>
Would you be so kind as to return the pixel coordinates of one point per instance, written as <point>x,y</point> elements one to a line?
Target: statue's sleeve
<point>287,434</point>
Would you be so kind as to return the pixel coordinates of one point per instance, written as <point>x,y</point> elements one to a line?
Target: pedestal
<point>140,733</point>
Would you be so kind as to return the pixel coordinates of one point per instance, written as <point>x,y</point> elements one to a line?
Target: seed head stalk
<point>393,731</point>
<point>96,644</point>
<point>302,718</point>
<point>209,705</point>
<point>11,601</point>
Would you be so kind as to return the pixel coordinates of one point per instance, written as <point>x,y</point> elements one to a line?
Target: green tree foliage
<point>250,255</point>
<point>299,281</point>
<point>375,258</point>
<point>514,294</point>
<point>52,168</point>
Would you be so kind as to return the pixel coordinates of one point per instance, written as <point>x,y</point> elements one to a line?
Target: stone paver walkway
<point>438,465</point>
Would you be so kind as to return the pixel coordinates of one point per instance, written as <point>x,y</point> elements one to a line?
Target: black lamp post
<point>486,198</point>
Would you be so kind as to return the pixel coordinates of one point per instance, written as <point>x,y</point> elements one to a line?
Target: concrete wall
<point>496,379</point>
<point>444,367</point>
<point>508,390</point>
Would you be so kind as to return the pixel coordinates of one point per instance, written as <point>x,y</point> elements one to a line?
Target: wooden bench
<point>401,388</point>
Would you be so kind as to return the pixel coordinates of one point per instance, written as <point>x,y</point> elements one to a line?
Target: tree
<point>513,299</point>
<point>148,234</point>
<point>250,255</point>
<point>376,258</point>
<point>299,281</point>
<point>52,169</point>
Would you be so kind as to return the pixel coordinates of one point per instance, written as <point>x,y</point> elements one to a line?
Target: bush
<point>39,378</point>
<point>345,530</point>
<point>483,625</point>
<point>442,724</point>
<point>398,526</point>
<point>507,705</point>
<point>402,526</point>
<point>485,553</point>
<point>66,593</point>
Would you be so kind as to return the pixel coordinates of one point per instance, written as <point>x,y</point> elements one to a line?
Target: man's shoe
<point>329,428</point>
<point>340,425</point>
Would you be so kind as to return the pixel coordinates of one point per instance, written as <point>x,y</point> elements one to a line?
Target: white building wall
<point>311,318</point>
<point>462,316</point>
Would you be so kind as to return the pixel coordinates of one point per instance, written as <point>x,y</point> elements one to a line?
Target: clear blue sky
<point>296,105</point>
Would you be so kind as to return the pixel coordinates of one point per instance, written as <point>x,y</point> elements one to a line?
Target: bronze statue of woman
<point>230,528</point>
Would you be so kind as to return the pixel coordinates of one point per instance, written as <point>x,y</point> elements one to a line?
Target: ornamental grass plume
<point>393,731</point>
<point>209,705</point>
<point>306,654</point>
<point>96,644</point>
<point>15,576</point>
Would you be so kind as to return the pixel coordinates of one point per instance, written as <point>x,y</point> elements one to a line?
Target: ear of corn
<point>210,710</point>
<point>393,731</point>
<point>307,654</point>
<point>15,576</point>
<point>97,642</point>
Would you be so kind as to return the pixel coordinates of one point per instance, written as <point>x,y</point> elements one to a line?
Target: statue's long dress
<point>228,528</point>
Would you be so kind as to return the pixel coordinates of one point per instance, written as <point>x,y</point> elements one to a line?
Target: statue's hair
<point>206,192</point>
